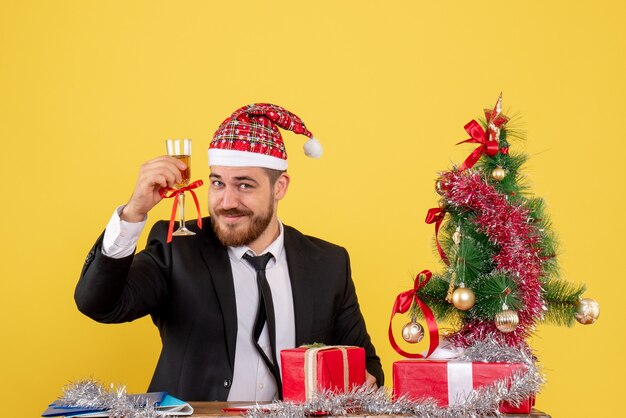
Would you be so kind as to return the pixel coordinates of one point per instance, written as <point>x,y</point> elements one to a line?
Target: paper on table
<point>174,406</point>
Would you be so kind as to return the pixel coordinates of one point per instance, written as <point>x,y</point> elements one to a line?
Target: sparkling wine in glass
<point>186,173</point>
<point>181,150</point>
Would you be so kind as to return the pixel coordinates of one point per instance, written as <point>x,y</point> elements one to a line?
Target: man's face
<point>242,203</point>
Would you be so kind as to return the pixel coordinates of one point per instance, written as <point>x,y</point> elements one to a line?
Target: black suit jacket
<point>187,288</point>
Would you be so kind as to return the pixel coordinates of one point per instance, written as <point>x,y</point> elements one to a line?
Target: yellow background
<point>90,89</point>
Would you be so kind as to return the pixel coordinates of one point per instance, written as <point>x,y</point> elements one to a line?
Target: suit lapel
<point>218,263</point>
<point>299,262</point>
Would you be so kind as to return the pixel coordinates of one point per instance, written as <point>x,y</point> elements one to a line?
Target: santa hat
<point>250,138</point>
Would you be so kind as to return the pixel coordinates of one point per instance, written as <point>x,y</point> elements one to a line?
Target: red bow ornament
<point>488,140</point>
<point>435,216</point>
<point>403,303</point>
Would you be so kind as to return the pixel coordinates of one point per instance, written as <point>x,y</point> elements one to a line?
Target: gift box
<point>450,382</point>
<point>306,371</point>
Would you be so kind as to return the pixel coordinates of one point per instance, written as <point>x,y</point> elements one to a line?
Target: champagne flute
<point>181,150</point>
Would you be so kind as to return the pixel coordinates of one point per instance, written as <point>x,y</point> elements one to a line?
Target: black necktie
<point>265,313</point>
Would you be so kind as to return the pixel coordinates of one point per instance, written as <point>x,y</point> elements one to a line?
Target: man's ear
<point>281,185</point>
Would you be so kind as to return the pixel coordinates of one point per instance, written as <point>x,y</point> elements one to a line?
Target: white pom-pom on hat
<point>312,148</point>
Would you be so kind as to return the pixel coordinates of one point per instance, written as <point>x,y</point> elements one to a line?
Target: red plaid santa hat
<point>250,138</point>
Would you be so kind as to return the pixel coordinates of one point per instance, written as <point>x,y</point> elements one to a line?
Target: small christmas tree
<point>498,248</point>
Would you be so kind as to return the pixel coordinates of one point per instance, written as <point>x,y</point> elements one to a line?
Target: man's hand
<point>160,172</point>
<point>370,381</point>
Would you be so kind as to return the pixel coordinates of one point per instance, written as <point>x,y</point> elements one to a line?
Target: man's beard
<point>233,236</point>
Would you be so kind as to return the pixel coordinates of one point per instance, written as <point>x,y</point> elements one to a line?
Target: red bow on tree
<point>403,303</point>
<point>436,215</point>
<point>488,140</point>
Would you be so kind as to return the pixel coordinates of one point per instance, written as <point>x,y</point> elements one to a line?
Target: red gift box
<point>449,382</point>
<point>316,370</point>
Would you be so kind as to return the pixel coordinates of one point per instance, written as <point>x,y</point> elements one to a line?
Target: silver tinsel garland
<point>481,402</point>
<point>92,394</point>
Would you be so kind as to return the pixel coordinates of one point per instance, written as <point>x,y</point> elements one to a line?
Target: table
<point>215,409</point>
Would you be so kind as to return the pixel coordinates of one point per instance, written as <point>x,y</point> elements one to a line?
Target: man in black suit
<point>222,317</point>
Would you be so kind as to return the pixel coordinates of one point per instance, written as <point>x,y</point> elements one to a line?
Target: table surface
<point>216,409</point>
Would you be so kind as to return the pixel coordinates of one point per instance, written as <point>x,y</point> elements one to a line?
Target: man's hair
<point>273,174</point>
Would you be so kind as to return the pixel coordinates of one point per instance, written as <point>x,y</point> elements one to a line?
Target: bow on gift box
<point>175,192</point>
<point>403,303</point>
<point>488,140</point>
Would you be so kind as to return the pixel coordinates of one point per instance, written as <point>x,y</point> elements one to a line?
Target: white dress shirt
<point>252,381</point>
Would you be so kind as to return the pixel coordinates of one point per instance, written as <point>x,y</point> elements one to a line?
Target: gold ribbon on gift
<point>310,368</point>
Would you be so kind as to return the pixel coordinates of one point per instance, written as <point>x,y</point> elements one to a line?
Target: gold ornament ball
<point>463,298</point>
<point>506,321</point>
<point>412,332</point>
<point>498,173</point>
<point>441,186</point>
<point>587,311</point>
<point>443,204</point>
